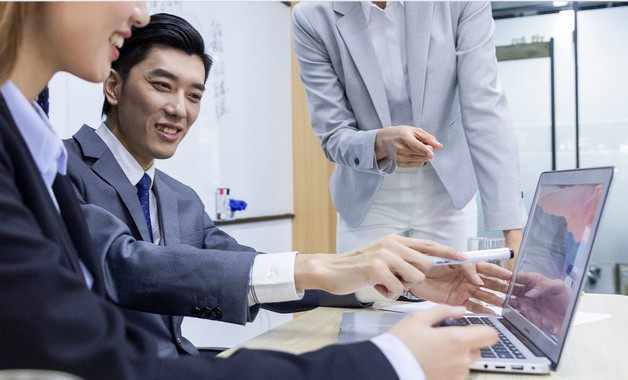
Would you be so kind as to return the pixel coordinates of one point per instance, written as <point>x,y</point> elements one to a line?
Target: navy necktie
<point>143,190</point>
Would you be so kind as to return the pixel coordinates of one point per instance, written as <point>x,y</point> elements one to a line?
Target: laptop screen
<point>554,257</point>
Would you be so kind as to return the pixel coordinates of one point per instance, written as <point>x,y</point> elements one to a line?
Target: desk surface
<point>594,350</point>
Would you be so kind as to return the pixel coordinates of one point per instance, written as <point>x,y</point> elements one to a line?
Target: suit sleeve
<point>170,280</point>
<point>315,298</point>
<point>349,361</point>
<point>331,115</point>
<point>214,238</point>
<point>486,118</point>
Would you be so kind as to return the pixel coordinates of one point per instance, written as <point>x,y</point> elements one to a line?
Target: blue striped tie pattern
<point>143,190</point>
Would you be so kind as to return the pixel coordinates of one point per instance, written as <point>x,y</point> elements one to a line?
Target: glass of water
<point>479,243</point>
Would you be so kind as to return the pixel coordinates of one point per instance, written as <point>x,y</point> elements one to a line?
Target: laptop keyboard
<point>503,349</point>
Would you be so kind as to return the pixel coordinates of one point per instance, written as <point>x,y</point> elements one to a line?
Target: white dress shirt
<point>272,275</point>
<point>387,31</point>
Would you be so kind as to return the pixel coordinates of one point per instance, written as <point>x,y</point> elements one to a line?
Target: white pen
<point>477,256</point>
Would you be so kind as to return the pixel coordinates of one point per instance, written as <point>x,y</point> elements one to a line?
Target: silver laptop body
<point>546,282</point>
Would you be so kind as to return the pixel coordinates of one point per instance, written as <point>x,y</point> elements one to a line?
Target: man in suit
<point>152,98</point>
<point>405,100</point>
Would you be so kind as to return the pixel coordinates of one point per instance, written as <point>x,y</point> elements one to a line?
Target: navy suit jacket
<point>100,181</point>
<point>51,320</point>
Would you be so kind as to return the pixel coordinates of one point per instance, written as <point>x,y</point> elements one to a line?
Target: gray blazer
<point>179,278</point>
<point>455,94</point>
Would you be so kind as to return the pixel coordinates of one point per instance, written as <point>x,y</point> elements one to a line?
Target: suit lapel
<point>168,211</point>
<point>70,233</point>
<point>352,27</point>
<point>107,168</point>
<point>77,229</point>
<point>418,30</point>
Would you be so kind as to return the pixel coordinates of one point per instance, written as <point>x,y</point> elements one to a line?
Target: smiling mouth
<point>116,40</point>
<point>167,130</point>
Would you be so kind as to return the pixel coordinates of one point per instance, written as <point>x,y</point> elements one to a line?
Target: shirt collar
<point>42,139</point>
<point>367,7</point>
<point>127,162</point>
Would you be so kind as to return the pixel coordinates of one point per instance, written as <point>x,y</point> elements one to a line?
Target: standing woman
<point>405,97</point>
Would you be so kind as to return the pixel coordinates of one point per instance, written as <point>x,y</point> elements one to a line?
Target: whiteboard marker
<point>477,256</point>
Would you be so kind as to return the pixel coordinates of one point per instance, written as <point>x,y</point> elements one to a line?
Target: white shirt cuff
<point>272,279</point>
<point>399,356</point>
<point>369,294</point>
<point>385,166</point>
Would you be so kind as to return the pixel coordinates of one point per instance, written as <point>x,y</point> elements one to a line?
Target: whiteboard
<point>242,138</point>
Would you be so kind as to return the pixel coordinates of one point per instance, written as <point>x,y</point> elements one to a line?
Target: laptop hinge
<point>528,343</point>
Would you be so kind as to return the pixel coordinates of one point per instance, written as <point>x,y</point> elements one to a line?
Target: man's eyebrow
<point>163,73</point>
<point>199,86</point>
<point>167,74</point>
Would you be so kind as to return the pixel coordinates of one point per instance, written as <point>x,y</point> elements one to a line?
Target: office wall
<point>603,53</point>
<point>603,115</point>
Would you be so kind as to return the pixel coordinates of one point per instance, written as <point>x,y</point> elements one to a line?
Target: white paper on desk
<point>423,305</point>
<point>581,317</point>
<point>409,307</point>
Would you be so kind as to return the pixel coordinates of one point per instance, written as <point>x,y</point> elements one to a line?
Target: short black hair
<point>163,30</point>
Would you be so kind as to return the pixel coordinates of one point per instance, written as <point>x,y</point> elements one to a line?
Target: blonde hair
<point>12,16</point>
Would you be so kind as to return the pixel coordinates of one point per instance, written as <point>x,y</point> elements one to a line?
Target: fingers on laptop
<point>477,307</point>
<point>495,284</point>
<point>492,270</point>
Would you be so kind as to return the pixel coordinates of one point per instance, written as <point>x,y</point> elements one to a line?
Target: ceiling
<point>509,9</point>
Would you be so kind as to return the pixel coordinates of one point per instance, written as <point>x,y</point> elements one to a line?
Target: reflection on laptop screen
<point>550,273</point>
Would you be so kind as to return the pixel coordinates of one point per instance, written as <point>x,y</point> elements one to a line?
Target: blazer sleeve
<point>332,118</point>
<point>170,280</point>
<point>348,361</point>
<point>315,298</point>
<point>214,238</point>
<point>486,118</point>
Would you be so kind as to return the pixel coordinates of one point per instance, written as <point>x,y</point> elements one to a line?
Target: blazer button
<point>179,341</point>
<point>216,313</point>
<point>207,312</point>
<point>356,161</point>
<point>197,312</point>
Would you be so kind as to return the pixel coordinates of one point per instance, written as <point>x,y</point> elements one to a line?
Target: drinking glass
<point>479,243</point>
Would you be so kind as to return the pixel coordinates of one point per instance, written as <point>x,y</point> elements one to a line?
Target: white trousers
<point>411,202</point>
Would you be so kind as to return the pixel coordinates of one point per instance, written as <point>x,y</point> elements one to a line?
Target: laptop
<point>546,283</point>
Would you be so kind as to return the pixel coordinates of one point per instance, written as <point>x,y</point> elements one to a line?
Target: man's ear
<point>113,87</point>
